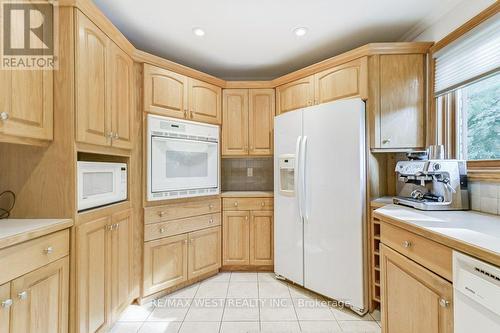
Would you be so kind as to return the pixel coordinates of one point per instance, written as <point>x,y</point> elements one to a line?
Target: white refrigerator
<point>320,199</point>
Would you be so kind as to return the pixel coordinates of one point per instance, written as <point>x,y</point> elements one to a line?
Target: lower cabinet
<point>5,305</point>
<point>247,238</point>
<point>173,260</point>
<point>414,299</point>
<point>103,270</point>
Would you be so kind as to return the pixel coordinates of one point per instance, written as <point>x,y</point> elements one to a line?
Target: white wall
<point>438,27</point>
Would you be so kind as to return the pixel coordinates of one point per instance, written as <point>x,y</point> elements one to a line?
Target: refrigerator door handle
<point>303,194</point>
<point>297,176</point>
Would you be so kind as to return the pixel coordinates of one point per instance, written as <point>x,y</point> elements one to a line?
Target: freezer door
<point>334,153</point>
<point>288,226</point>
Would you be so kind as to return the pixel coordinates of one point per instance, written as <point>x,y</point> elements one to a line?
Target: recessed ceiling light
<point>199,32</point>
<point>299,32</point>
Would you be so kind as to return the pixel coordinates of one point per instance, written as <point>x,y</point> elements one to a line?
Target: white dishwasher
<point>476,293</point>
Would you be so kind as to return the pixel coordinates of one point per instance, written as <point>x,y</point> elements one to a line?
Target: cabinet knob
<point>48,250</point>
<point>117,225</point>
<point>407,244</point>
<point>161,214</point>
<point>236,204</point>
<point>4,116</point>
<point>185,113</point>
<point>211,206</point>
<point>115,136</point>
<point>7,303</point>
<point>23,295</point>
<point>246,218</point>
<point>192,113</point>
<point>162,230</point>
<point>185,241</point>
<point>444,303</point>
<point>262,203</point>
<point>211,221</point>
<point>386,141</point>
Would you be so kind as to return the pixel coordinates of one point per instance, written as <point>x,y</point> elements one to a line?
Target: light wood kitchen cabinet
<point>205,102</point>
<point>165,263</point>
<point>103,262</point>
<point>204,252</point>
<point>344,81</point>
<point>5,306</point>
<point>247,232</point>
<point>170,94</point>
<point>295,95</point>
<point>104,92</point>
<point>235,122</point>
<point>397,101</point>
<point>165,92</point>
<point>414,299</point>
<point>41,300</point>
<point>261,238</point>
<point>27,109</point>
<point>248,119</point>
<point>236,237</point>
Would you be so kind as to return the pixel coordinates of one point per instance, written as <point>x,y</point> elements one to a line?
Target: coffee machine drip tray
<point>421,204</point>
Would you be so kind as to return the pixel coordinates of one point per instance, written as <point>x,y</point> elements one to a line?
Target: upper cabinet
<point>398,100</point>
<point>104,100</point>
<point>173,95</point>
<point>247,128</point>
<point>295,95</point>
<point>26,103</point>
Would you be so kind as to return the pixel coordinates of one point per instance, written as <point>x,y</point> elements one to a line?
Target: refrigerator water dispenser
<point>287,174</point>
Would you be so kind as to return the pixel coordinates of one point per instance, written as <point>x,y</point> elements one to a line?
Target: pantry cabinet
<point>104,91</point>
<point>247,232</point>
<point>248,119</point>
<point>170,94</point>
<point>27,106</point>
<point>414,299</point>
<point>41,304</point>
<point>103,264</point>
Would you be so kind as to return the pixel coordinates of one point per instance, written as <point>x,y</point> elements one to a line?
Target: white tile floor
<point>242,302</point>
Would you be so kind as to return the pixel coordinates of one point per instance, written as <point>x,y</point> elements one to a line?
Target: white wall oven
<point>101,183</point>
<point>183,159</point>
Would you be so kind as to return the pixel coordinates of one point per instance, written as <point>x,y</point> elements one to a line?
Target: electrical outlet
<point>249,172</point>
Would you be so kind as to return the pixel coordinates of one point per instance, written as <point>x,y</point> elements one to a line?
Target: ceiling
<point>254,39</point>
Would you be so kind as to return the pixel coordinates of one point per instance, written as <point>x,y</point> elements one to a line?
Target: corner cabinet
<point>170,94</point>
<point>248,121</point>
<point>104,88</point>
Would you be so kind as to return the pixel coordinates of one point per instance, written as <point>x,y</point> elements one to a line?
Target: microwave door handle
<point>303,172</point>
<point>297,176</point>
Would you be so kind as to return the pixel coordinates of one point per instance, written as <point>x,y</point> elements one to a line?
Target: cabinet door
<point>402,80</point>
<point>165,263</point>
<point>5,305</point>
<point>120,256</point>
<point>91,270</point>
<point>235,122</point>
<point>204,251</point>
<point>261,121</point>
<point>165,92</point>
<point>235,238</point>
<point>93,121</point>
<point>414,300</point>
<point>295,95</point>
<point>205,102</point>
<point>41,300</point>
<point>120,88</point>
<point>261,238</point>
<point>345,81</point>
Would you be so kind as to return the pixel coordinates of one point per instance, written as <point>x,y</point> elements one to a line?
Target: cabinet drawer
<point>23,258</point>
<point>181,210</point>
<point>432,255</point>
<point>248,203</point>
<point>176,227</point>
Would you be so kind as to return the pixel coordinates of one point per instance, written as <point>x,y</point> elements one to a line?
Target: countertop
<point>14,231</point>
<point>381,202</point>
<point>470,232</point>
<point>247,194</point>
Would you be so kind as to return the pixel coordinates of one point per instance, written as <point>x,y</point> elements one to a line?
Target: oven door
<point>183,164</point>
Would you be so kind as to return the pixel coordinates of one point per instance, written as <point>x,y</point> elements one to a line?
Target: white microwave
<point>100,184</point>
<point>182,159</point>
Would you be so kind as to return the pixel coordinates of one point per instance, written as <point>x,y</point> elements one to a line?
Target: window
<point>478,117</point>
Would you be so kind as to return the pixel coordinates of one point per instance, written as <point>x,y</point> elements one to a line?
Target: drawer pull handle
<point>48,250</point>
<point>162,230</point>
<point>23,295</point>
<point>7,303</point>
<point>444,303</point>
<point>407,244</point>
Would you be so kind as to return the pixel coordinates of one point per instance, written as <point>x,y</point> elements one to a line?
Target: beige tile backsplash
<point>485,197</point>
<point>247,174</point>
